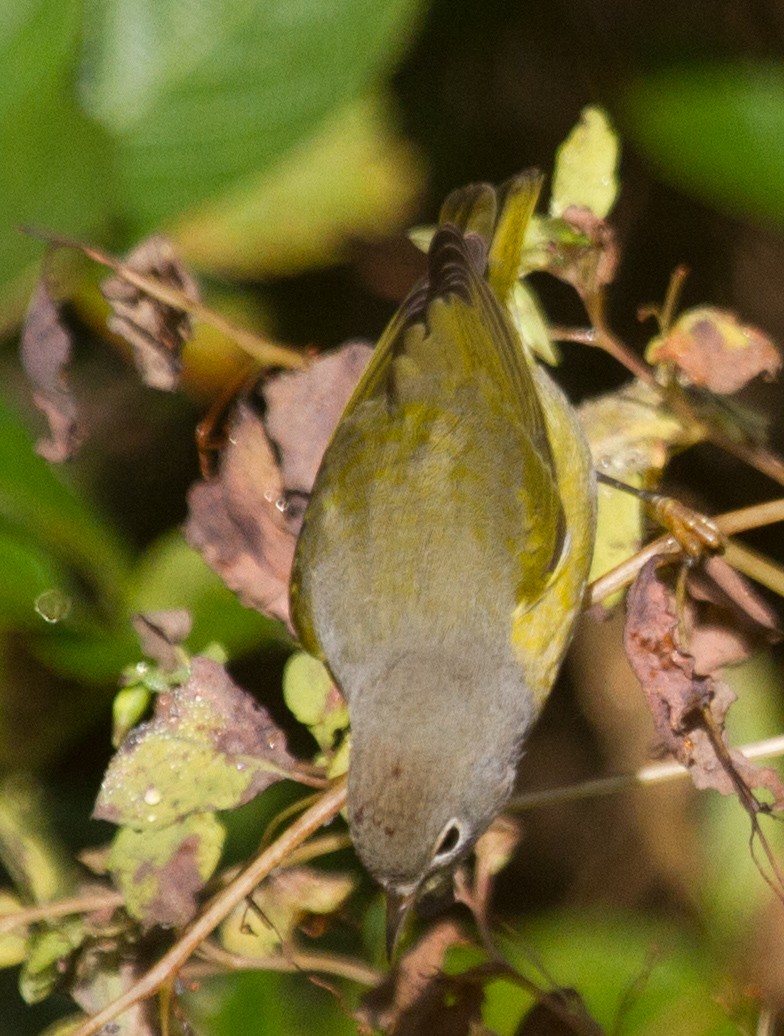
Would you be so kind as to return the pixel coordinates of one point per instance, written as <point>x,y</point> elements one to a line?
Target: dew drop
<point>152,796</point>
<point>53,605</point>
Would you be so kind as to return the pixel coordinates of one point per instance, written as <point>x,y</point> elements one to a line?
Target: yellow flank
<point>541,634</point>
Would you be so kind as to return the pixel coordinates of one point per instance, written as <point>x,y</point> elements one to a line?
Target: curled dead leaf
<point>727,619</point>
<point>160,634</point>
<point>155,331</point>
<point>304,407</point>
<point>46,352</point>
<point>711,349</point>
<point>280,906</point>
<point>587,259</point>
<point>241,521</point>
<point>245,520</point>
<point>689,706</point>
<point>417,997</point>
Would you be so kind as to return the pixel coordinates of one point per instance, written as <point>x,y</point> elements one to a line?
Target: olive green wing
<point>480,336</point>
<point>453,335</point>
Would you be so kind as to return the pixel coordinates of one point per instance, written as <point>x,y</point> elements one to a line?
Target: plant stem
<point>295,961</point>
<point>655,773</point>
<point>86,904</point>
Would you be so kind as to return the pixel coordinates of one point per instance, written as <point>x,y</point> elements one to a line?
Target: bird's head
<point>430,771</point>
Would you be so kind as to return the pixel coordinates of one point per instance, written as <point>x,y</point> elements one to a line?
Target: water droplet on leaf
<point>53,605</point>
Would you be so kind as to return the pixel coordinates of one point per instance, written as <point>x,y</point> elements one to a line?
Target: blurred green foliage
<point>715,130</point>
<point>130,116</point>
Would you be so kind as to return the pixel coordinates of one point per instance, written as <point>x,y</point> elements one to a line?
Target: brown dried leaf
<point>727,619</point>
<point>496,847</point>
<point>209,746</point>
<point>46,352</point>
<point>245,521</point>
<point>155,331</point>
<point>160,633</point>
<point>241,521</point>
<point>677,694</point>
<point>417,998</point>
<point>713,350</point>
<point>304,407</point>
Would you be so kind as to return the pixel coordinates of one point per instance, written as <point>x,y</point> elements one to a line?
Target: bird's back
<point>437,511</point>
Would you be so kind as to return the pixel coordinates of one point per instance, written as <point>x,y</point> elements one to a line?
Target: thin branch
<point>296,961</point>
<point>86,904</point>
<point>326,807</point>
<point>655,773</point>
<point>267,353</point>
<point>316,847</point>
<point>754,517</point>
<point>623,575</point>
<point>601,336</point>
<point>756,566</point>
<point>742,520</point>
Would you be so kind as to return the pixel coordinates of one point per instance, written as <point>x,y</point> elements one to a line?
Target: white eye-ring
<point>449,841</point>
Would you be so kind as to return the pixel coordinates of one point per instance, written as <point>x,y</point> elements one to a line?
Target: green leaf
<point>58,176</point>
<point>13,944</point>
<point>197,104</point>
<point>47,952</point>
<point>161,872</point>
<point>531,323</point>
<point>310,693</point>
<point>29,849</point>
<point>627,967</point>
<point>89,655</point>
<point>37,499</point>
<point>351,178</point>
<point>64,1026</point>
<point>716,131</point>
<point>631,435</point>
<point>29,571</point>
<point>283,900</point>
<point>277,1005</point>
<point>634,976</point>
<point>208,747</point>
<point>586,166</point>
<point>128,707</point>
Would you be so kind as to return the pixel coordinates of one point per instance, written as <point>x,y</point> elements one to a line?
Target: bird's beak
<point>398,908</point>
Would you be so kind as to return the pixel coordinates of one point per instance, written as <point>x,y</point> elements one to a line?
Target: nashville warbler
<point>445,551</point>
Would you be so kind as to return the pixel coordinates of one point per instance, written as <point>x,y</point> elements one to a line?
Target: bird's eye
<point>449,841</point>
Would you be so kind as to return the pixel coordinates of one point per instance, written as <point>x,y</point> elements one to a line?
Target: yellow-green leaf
<point>310,693</point>
<point>531,323</point>
<point>631,435</point>
<point>161,872</point>
<point>586,166</point>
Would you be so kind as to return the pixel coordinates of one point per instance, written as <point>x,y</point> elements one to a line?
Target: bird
<point>445,551</point>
